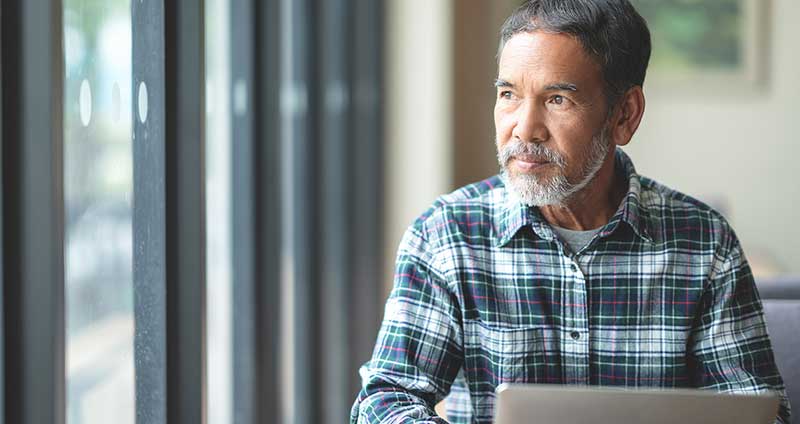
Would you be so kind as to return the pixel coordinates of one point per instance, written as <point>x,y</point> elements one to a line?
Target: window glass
<point>218,213</point>
<point>98,194</point>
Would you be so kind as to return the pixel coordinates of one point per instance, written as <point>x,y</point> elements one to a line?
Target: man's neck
<point>593,206</point>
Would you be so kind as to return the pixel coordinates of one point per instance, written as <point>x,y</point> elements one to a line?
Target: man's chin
<point>528,179</point>
<point>530,192</point>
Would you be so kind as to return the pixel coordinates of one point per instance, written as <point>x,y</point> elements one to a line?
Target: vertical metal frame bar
<point>2,278</point>
<point>334,191</point>
<point>311,225</point>
<point>367,35</point>
<point>243,188</point>
<point>298,217</point>
<point>268,155</point>
<point>169,211</point>
<point>149,211</point>
<point>33,216</point>
<point>185,178</point>
<point>331,217</point>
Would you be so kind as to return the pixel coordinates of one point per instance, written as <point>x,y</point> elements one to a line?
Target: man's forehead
<point>543,54</point>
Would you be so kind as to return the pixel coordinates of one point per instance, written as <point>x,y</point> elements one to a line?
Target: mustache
<point>533,150</point>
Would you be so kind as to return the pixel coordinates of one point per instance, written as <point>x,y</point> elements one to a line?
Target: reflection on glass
<point>98,186</point>
<point>142,102</point>
<point>218,213</point>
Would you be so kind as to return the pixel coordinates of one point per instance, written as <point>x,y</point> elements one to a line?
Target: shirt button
<point>575,335</point>
<point>575,268</point>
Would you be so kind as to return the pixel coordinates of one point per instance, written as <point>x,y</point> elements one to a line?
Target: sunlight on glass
<point>218,213</point>
<point>142,102</point>
<point>98,186</point>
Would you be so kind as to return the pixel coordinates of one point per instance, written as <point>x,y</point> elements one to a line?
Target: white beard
<point>556,190</point>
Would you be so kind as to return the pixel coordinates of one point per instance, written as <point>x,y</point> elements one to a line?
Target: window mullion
<point>335,230</point>
<point>299,221</point>
<point>185,211</point>
<point>33,215</point>
<point>244,213</point>
<point>268,153</point>
<point>366,117</point>
<point>149,212</point>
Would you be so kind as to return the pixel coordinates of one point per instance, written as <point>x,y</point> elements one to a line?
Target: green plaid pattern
<point>485,293</point>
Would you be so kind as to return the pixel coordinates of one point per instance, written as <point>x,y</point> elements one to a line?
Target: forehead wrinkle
<point>555,83</point>
<point>531,62</point>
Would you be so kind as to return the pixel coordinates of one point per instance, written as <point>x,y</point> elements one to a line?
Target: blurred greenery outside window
<point>98,187</point>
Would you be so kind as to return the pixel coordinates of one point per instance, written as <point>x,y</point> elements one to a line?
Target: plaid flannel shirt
<point>485,293</point>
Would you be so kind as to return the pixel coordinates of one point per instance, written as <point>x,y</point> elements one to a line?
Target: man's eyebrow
<point>559,86</point>
<point>502,83</point>
<point>562,86</point>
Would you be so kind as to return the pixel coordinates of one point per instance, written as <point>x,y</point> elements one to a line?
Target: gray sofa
<point>781,299</point>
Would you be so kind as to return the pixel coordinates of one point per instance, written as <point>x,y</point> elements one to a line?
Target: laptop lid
<point>559,404</point>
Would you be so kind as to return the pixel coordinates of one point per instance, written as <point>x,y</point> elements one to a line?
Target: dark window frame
<point>298,209</point>
<point>243,215</point>
<point>169,213</point>
<point>149,214</point>
<point>366,173</point>
<point>2,320</point>
<point>267,154</point>
<point>255,212</point>
<point>33,211</point>
<point>185,207</point>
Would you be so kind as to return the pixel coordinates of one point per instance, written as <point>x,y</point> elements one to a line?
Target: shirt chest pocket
<point>508,354</point>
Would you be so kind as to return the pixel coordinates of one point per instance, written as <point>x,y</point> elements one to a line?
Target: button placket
<point>575,349</point>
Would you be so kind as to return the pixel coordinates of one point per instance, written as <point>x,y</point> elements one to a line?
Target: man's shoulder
<point>656,194</point>
<point>679,214</point>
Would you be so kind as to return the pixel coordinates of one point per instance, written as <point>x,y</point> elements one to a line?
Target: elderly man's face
<point>549,116</point>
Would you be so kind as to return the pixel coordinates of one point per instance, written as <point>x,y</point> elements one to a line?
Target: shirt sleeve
<point>730,349</point>
<point>419,348</point>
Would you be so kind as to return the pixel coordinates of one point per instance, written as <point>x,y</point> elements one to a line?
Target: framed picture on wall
<point>716,44</point>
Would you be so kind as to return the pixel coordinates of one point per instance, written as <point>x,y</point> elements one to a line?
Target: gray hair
<point>611,31</point>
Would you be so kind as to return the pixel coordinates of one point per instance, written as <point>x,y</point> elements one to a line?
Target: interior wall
<point>737,148</point>
<point>418,124</point>
<point>476,36</point>
<point>440,98</point>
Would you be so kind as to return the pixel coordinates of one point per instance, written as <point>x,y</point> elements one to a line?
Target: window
<point>2,323</point>
<point>98,195</point>
<point>219,201</point>
<point>169,174</point>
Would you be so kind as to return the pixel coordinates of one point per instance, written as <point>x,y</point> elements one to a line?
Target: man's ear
<point>627,116</point>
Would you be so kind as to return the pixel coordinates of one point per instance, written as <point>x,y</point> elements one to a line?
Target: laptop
<point>559,404</point>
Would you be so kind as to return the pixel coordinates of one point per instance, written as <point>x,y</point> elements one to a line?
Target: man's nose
<point>531,126</point>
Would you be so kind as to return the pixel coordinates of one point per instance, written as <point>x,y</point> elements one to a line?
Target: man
<point>568,268</point>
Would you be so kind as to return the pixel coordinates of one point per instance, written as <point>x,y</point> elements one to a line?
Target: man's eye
<point>505,94</point>
<point>560,102</point>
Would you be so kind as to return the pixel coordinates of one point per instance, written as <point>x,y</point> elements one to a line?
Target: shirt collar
<point>514,215</point>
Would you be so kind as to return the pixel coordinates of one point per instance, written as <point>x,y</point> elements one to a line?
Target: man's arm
<point>730,347</point>
<point>419,348</point>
